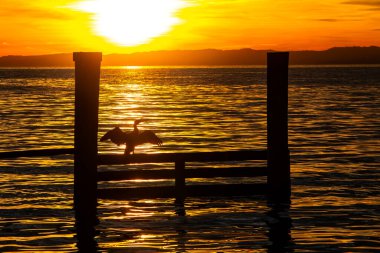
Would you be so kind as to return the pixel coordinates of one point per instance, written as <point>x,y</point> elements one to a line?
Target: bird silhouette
<point>133,138</point>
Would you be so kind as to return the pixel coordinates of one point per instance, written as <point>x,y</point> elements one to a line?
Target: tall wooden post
<point>179,181</point>
<point>277,126</point>
<point>87,74</point>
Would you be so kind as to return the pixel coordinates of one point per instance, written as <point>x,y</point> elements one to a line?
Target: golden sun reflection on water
<point>180,230</point>
<point>333,136</point>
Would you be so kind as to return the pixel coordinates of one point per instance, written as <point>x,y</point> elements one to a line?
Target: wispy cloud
<point>36,13</point>
<point>33,9</point>
<point>333,20</point>
<point>328,20</point>
<point>372,4</point>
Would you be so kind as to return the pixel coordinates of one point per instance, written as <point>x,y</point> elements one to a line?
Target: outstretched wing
<point>107,136</point>
<point>116,135</point>
<point>148,137</point>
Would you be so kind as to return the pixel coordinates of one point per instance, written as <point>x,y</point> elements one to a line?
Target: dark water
<point>334,133</point>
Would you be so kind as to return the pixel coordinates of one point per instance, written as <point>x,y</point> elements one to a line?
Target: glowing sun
<point>132,22</point>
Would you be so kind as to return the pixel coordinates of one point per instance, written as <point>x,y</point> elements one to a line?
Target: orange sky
<point>61,26</point>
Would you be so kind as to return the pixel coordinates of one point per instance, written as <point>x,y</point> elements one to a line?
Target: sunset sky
<point>124,26</point>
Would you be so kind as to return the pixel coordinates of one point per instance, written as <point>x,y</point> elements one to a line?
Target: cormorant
<point>131,139</point>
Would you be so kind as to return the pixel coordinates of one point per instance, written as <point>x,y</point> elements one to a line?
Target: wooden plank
<point>226,172</point>
<point>191,191</point>
<point>36,153</point>
<point>225,190</point>
<point>108,159</point>
<point>135,174</point>
<point>189,173</point>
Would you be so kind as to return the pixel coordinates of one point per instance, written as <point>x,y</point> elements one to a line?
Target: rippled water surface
<point>334,133</point>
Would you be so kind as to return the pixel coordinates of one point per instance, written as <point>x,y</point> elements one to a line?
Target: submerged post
<point>277,126</point>
<point>87,74</point>
<point>179,181</point>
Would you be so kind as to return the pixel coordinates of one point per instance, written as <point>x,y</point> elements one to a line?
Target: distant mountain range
<point>213,57</point>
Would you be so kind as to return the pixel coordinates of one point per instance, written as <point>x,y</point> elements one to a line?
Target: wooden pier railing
<point>183,157</point>
<point>180,190</point>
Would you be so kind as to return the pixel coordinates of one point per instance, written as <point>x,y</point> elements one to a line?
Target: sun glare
<point>132,22</point>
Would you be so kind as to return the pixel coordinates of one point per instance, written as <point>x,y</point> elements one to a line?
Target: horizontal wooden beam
<point>190,191</point>
<point>189,173</point>
<point>36,153</point>
<point>108,159</point>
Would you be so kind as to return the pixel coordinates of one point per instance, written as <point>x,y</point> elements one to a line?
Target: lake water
<point>334,138</point>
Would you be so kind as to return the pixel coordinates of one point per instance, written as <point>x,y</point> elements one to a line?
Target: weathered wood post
<point>180,184</point>
<point>277,126</point>
<point>87,74</point>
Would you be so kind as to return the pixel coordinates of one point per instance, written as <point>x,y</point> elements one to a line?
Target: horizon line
<point>205,49</point>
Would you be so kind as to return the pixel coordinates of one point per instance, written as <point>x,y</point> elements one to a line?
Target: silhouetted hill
<point>189,57</point>
<point>338,55</point>
<point>53,60</point>
<point>343,55</point>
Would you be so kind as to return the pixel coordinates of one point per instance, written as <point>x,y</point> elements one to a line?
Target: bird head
<point>138,121</point>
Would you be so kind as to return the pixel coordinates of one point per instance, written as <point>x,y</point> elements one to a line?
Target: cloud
<point>332,20</point>
<point>41,13</point>
<point>328,20</point>
<point>28,10</point>
<point>364,2</point>
<point>373,4</point>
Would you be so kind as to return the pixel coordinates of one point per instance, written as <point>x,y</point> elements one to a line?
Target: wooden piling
<point>277,126</point>
<point>87,74</point>
<point>180,181</point>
